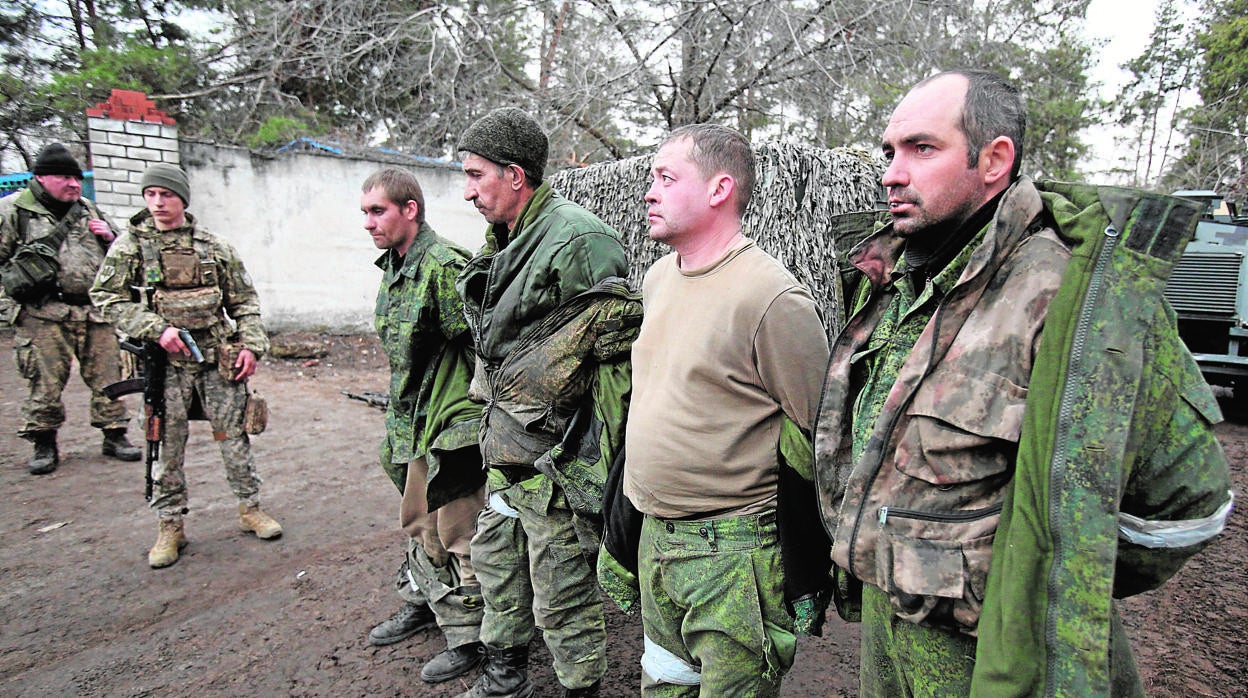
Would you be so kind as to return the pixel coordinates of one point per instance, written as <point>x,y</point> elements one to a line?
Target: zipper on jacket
<point>937,319</point>
<point>967,516</point>
<point>1061,441</point>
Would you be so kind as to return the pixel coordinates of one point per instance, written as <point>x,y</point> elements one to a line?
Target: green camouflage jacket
<point>125,267</point>
<point>420,321</point>
<point>81,253</point>
<point>553,322</point>
<point>1041,390</point>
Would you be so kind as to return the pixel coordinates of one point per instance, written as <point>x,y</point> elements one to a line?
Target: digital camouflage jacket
<point>126,266</point>
<point>420,320</point>
<point>1040,391</point>
<point>81,253</point>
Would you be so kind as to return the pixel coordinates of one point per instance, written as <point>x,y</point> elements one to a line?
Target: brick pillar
<point>127,133</point>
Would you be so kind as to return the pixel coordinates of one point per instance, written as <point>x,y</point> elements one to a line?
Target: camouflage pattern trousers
<point>223,403</point>
<point>45,351</point>
<point>534,574</point>
<point>901,659</point>
<point>712,607</point>
<point>437,567</point>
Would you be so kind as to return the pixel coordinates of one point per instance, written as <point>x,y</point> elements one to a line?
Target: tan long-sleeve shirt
<point>724,352</point>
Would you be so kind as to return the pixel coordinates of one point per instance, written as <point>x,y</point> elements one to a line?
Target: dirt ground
<point>82,614</point>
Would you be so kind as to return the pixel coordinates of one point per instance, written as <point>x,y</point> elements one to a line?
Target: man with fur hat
<point>198,284</point>
<point>552,323</point>
<point>53,318</point>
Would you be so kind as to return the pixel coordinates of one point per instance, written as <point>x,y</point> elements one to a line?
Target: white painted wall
<point>295,220</point>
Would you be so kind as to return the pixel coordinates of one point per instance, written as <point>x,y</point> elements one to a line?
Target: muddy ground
<point>82,614</point>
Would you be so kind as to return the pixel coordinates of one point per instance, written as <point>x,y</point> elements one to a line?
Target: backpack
<point>30,275</point>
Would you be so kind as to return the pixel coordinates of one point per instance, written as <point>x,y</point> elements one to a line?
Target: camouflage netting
<point>800,192</point>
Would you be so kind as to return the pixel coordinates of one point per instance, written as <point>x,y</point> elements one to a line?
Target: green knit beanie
<point>170,177</point>
<point>508,136</point>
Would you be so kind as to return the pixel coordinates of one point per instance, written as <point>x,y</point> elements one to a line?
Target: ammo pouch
<point>31,273</point>
<point>189,308</point>
<point>188,296</point>
<point>255,415</point>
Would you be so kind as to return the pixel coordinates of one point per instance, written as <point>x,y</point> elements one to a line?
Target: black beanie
<point>508,136</point>
<point>55,159</point>
<point>170,177</point>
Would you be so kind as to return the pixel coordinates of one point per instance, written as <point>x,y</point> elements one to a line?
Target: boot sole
<point>133,458</point>
<point>43,469</point>
<point>246,529</point>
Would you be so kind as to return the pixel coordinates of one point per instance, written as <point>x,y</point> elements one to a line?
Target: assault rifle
<point>153,362</point>
<point>379,400</point>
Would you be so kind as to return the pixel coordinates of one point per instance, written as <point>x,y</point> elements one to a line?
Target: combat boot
<point>116,445</point>
<point>169,541</point>
<point>252,518</point>
<point>452,662</point>
<point>46,457</point>
<point>506,675</point>
<point>408,621</point>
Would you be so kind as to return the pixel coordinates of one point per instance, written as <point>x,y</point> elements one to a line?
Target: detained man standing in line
<point>430,450</point>
<point>1012,435</point>
<point>727,364</point>
<point>552,319</point>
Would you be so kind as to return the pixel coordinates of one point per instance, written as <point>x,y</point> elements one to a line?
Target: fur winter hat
<point>170,177</point>
<point>508,136</point>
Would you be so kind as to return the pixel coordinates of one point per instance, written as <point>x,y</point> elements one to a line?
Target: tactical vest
<point>186,281</point>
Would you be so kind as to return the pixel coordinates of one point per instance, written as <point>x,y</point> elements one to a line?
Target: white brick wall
<point>120,152</point>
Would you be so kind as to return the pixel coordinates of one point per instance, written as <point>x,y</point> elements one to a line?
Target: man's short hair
<point>400,187</point>
<point>716,149</point>
<point>994,107</point>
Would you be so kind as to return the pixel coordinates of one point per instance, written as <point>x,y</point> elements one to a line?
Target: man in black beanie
<point>552,321</point>
<point>54,321</point>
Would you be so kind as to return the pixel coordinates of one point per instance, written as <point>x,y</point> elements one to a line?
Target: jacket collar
<point>498,237</point>
<point>878,255</point>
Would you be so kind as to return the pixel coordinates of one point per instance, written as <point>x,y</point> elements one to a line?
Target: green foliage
<point>606,78</point>
<point>1161,77</point>
<point>1059,108</point>
<point>1216,156</point>
<point>279,130</point>
<point>133,66</point>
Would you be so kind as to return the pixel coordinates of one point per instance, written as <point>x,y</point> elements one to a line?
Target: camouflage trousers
<point>437,567</point>
<point>903,660</point>
<point>712,607</point>
<point>534,573</point>
<point>223,403</point>
<point>45,352</point>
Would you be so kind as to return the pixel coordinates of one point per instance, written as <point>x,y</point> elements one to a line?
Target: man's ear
<point>722,187</point>
<point>996,160</point>
<point>517,177</point>
<point>410,210</point>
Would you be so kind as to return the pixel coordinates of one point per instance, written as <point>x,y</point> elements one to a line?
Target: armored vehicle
<point>1209,291</point>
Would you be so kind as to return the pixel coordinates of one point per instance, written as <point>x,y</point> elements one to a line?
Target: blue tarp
<point>13,183</point>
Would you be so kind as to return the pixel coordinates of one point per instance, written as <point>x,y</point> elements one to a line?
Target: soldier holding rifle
<point>167,280</point>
